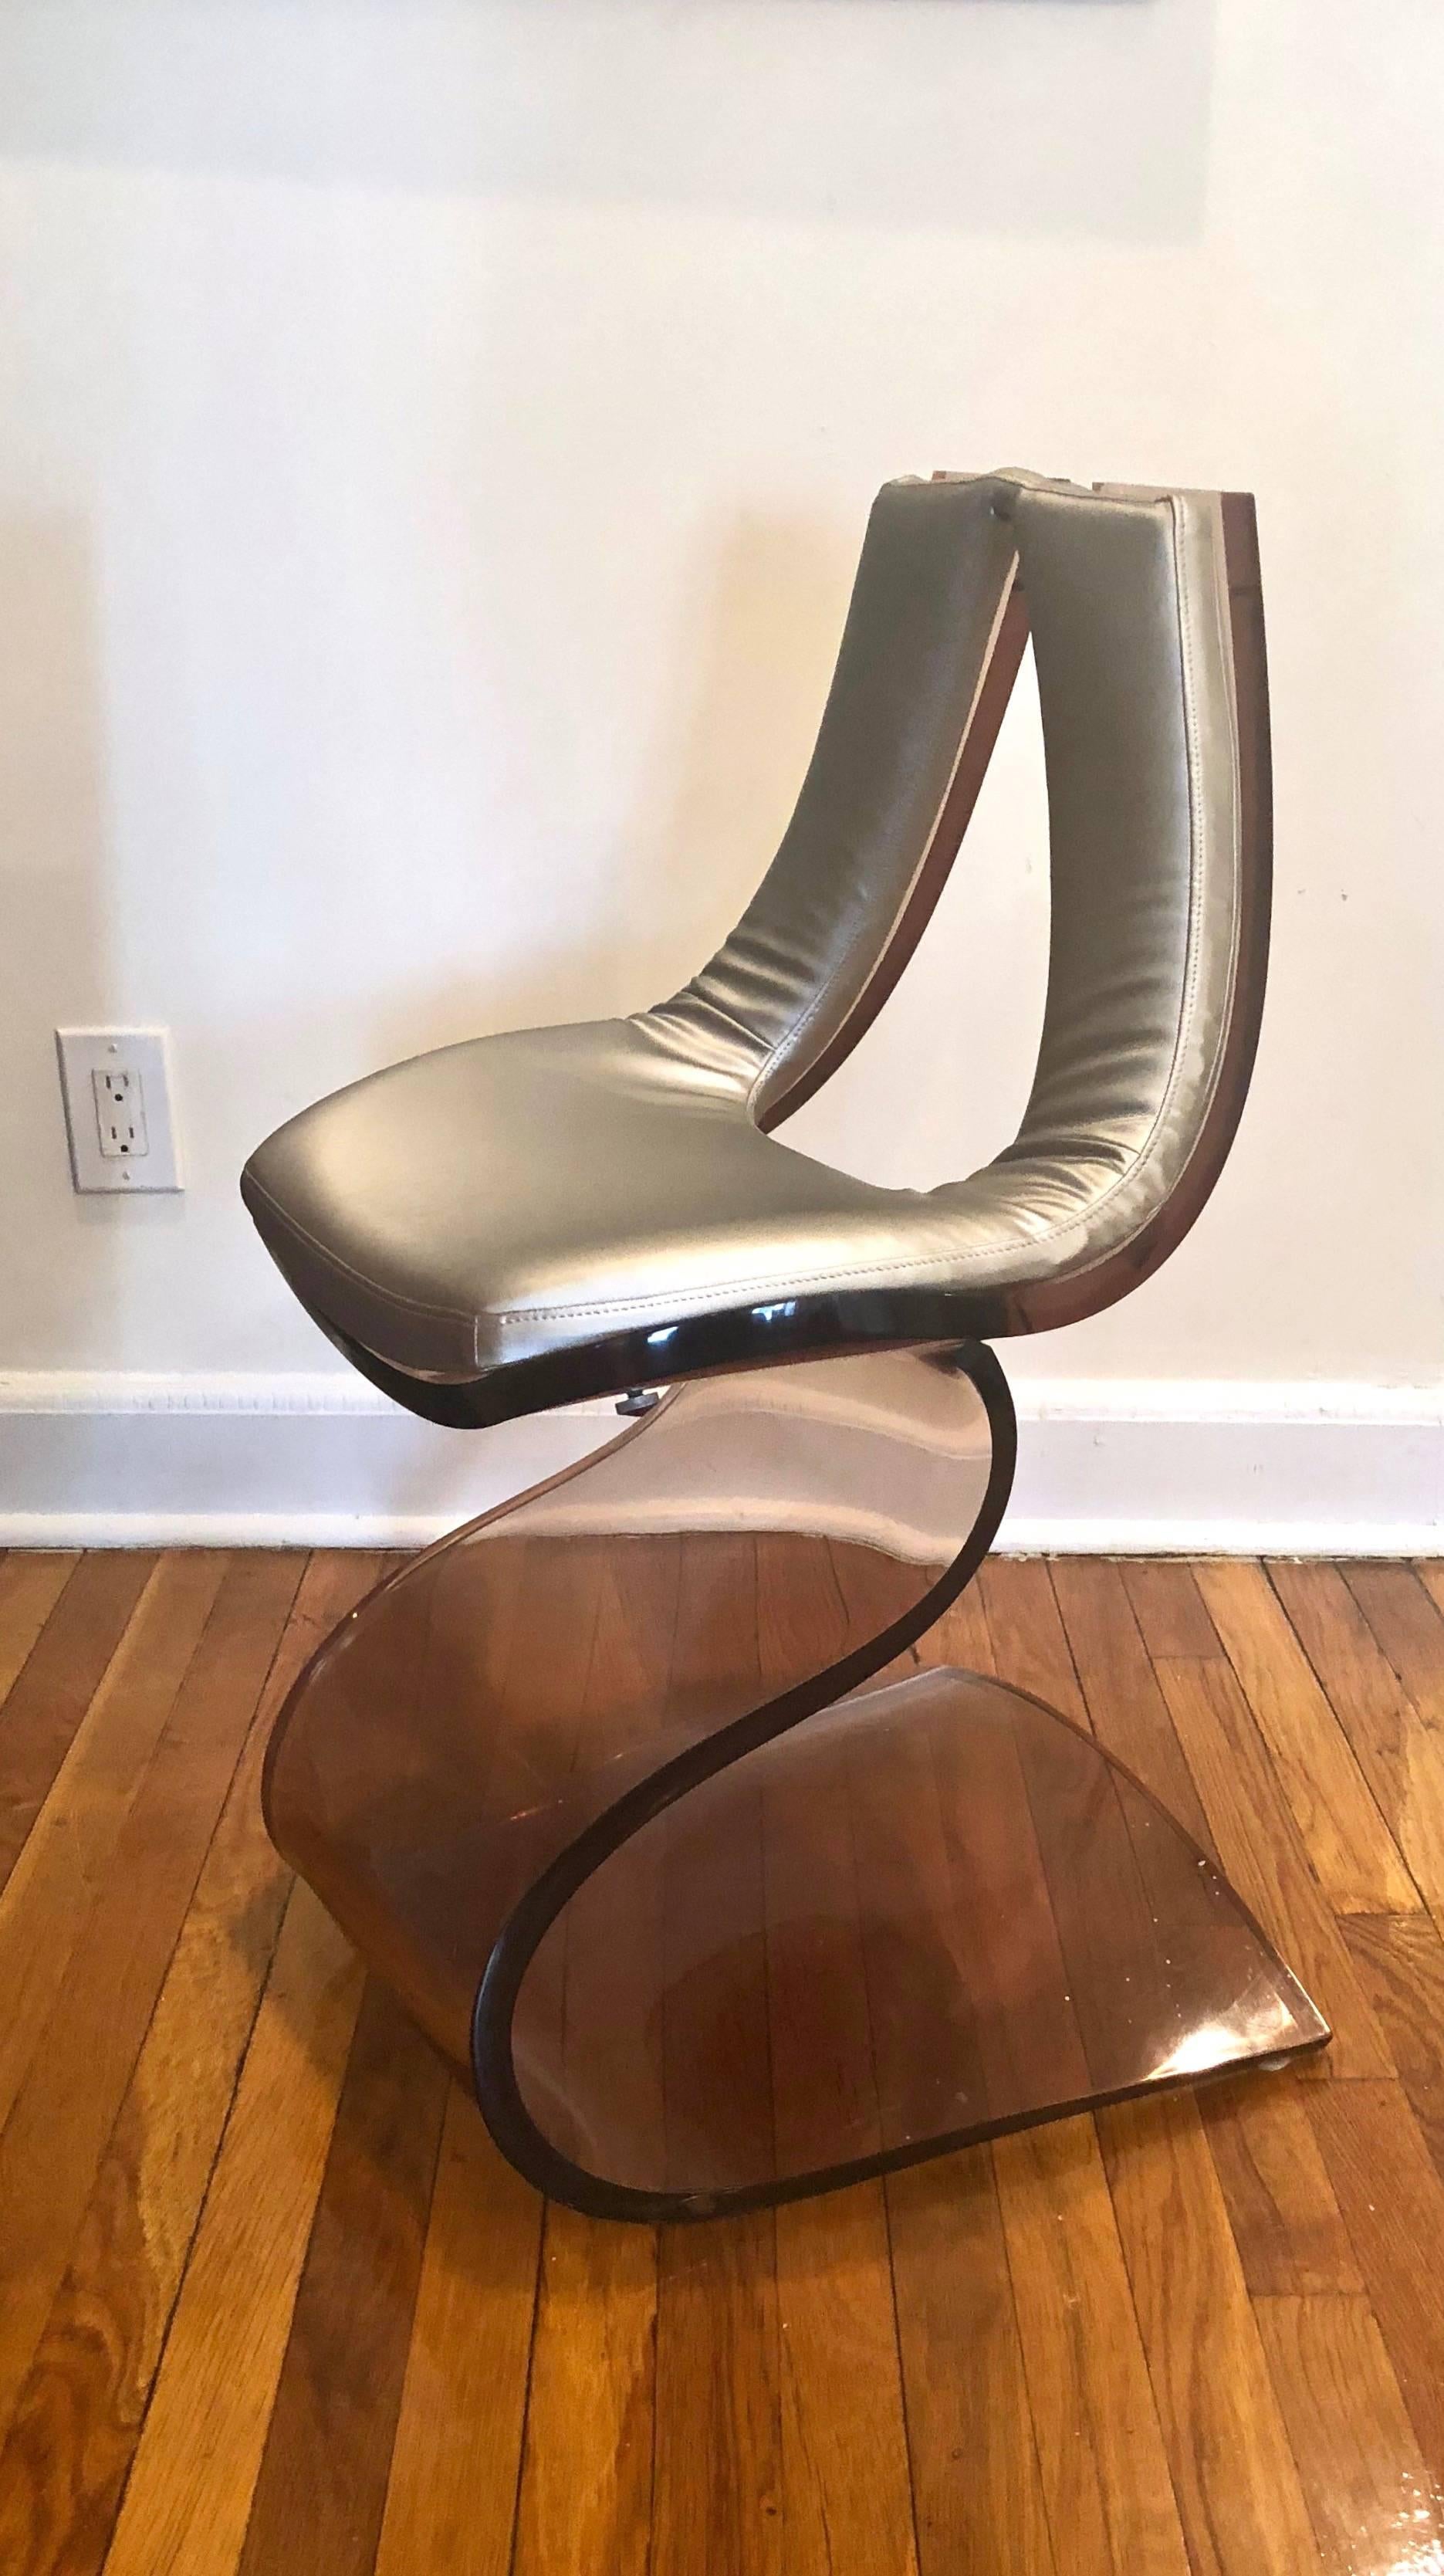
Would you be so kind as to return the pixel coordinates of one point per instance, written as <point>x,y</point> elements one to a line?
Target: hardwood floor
<point>270,2301</point>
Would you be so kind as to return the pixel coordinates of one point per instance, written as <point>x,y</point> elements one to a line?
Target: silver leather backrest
<point>1159,861</point>
<point>1159,834</point>
<point>1134,681</point>
<point>924,623</point>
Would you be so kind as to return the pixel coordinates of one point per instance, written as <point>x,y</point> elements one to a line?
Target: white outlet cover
<point>145,1054</point>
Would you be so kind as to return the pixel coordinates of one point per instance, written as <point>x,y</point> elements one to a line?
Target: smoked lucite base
<point>606,1788</point>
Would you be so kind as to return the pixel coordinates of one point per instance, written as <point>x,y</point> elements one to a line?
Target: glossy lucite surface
<point>604,1788</point>
<point>935,1911</point>
<point>497,1698</point>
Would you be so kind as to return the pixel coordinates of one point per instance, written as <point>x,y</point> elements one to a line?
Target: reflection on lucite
<point>920,1913</point>
<point>933,1911</point>
<point>497,1696</point>
<point>888,1451</point>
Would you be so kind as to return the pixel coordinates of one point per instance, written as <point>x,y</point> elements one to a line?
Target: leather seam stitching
<point>723,1287</point>
<point>704,1003</point>
<point>336,1261</point>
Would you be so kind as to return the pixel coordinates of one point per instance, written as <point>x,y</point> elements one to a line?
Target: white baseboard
<point>1189,1467</point>
<point>112,1459</point>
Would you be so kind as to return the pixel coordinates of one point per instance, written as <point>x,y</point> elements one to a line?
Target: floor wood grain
<point>272,2305</point>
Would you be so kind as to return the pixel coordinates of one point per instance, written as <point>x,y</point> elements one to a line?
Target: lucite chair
<point>640,1790</point>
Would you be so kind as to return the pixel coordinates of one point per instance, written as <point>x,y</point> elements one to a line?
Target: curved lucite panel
<point>606,1788</point>
<point>494,1699</point>
<point>934,1911</point>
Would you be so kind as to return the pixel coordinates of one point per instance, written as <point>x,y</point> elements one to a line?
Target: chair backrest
<point>934,635</point>
<point>1148,638</point>
<point>1147,626</point>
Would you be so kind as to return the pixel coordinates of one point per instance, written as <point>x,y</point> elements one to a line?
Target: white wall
<point>434,444</point>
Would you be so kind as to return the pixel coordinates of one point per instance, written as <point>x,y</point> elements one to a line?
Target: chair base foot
<point>936,1913</point>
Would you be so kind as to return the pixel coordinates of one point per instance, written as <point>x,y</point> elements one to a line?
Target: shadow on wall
<point>758,636</point>
<point>761,628</point>
<point>1008,117</point>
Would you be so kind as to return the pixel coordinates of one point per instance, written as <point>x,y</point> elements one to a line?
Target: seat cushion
<point>519,1194</point>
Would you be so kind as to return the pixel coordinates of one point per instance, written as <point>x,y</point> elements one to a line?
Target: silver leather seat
<point>521,1196</point>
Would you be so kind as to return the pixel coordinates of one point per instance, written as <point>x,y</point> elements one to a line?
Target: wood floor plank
<point>1280,2205</point>
<point>57,1876</point>
<point>924,2062</point>
<point>1400,1960</point>
<point>1409,1624</point>
<point>1431,1575</point>
<point>51,2145</point>
<point>846,2500</point>
<point>1105,2474</point>
<point>1369,2494</point>
<point>585,2501</point>
<point>451,2496</point>
<point>977,2485</point>
<point>1082,1837</point>
<point>1119,1686</point>
<point>846,2496</point>
<point>1286,2223</point>
<point>1352,1851</point>
<point>712,2024</point>
<point>1029,1647</point>
<point>321,2489</point>
<point>75,2428</point>
<point>1262,1850</point>
<point>818,2042</point>
<point>1401,1757</point>
<point>1233,2472</point>
<point>31,1582</point>
<point>820,2037</point>
<point>713,2312</point>
<point>568,1686</point>
<point>1179,1984</point>
<point>1392,2198</point>
<point>55,1686</point>
<point>717,2482</point>
<point>717,2485</point>
<point>1098,1881</point>
<point>1024,2040</point>
<point>961,1637</point>
<point>1167,1604</point>
<point>189,2494</point>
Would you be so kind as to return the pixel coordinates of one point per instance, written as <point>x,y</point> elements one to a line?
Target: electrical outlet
<point>116,1087</point>
<point>120,1113</point>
